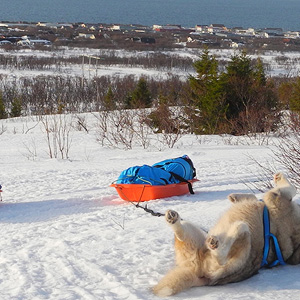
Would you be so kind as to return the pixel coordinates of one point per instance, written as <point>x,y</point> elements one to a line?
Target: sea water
<point>232,13</point>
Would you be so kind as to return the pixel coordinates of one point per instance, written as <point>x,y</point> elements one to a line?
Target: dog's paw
<point>278,177</point>
<point>212,242</point>
<point>171,216</point>
<point>162,292</point>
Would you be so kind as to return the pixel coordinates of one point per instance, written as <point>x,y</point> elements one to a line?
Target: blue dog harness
<point>268,236</point>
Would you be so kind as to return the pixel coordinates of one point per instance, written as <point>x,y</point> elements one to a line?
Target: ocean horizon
<point>188,13</point>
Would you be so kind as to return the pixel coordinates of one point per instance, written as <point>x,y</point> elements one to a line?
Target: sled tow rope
<point>148,210</point>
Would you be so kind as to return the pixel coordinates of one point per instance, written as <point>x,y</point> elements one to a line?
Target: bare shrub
<point>115,128</point>
<point>126,128</point>
<point>31,149</point>
<point>58,134</point>
<point>262,181</point>
<point>81,123</point>
<point>285,156</point>
<point>168,121</point>
<point>142,129</point>
<point>287,152</point>
<point>2,129</point>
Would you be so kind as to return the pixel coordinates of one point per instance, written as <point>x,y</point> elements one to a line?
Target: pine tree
<point>109,102</point>
<point>295,96</point>
<point>207,96</point>
<point>16,109</point>
<point>250,98</point>
<point>237,101</point>
<point>237,84</point>
<point>141,96</point>
<point>161,118</point>
<point>259,73</point>
<point>3,113</point>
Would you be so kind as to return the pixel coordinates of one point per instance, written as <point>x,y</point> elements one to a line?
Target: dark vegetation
<point>234,97</point>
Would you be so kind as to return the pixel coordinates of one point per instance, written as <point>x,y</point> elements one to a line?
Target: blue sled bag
<point>145,175</point>
<point>169,171</point>
<point>181,168</point>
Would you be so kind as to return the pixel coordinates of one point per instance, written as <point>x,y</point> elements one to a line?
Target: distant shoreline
<point>49,24</point>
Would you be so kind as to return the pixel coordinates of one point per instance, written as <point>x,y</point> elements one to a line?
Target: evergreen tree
<point>16,108</point>
<point>207,96</point>
<point>141,96</point>
<point>250,98</point>
<point>3,114</point>
<point>237,101</point>
<point>259,73</point>
<point>60,107</point>
<point>109,101</point>
<point>295,96</point>
<point>285,91</point>
<point>161,119</point>
<point>237,82</point>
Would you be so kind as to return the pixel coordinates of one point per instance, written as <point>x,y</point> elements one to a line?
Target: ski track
<point>67,235</point>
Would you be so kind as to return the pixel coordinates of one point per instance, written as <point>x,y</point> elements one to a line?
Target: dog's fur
<point>233,248</point>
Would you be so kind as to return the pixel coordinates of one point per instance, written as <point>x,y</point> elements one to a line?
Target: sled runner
<point>171,177</point>
<point>146,192</point>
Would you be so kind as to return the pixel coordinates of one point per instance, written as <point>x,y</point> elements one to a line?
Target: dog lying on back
<point>233,249</point>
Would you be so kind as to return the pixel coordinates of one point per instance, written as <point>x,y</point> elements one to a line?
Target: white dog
<point>233,249</point>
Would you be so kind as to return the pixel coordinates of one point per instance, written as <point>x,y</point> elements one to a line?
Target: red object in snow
<point>146,192</point>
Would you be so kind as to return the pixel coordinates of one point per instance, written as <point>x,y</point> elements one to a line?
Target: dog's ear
<point>232,198</point>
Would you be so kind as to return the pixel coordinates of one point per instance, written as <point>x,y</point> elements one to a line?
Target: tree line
<point>237,98</point>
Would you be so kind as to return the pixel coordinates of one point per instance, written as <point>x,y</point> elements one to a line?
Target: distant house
<point>213,28</point>
<point>144,40</point>
<point>292,34</point>
<point>3,27</point>
<point>250,31</point>
<point>194,38</point>
<point>116,27</point>
<point>271,32</point>
<point>236,45</point>
<point>201,28</point>
<point>41,24</point>
<point>5,42</point>
<point>86,36</point>
<point>55,25</point>
<point>169,28</point>
<point>65,25</point>
<point>31,42</point>
<point>40,42</point>
<point>243,32</point>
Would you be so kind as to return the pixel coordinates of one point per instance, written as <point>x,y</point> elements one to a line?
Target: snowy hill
<point>67,235</point>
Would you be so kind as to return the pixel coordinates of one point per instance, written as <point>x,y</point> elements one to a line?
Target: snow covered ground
<point>66,235</point>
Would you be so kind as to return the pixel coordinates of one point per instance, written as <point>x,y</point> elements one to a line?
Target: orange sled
<point>146,192</point>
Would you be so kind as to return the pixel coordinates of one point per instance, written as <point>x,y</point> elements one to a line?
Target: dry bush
<point>58,134</point>
<point>2,129</point>
<point>168,122</point>
<point>115,128</point>
<point>125,128</point>
<point>285,157</point>
<point>287,152</point>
